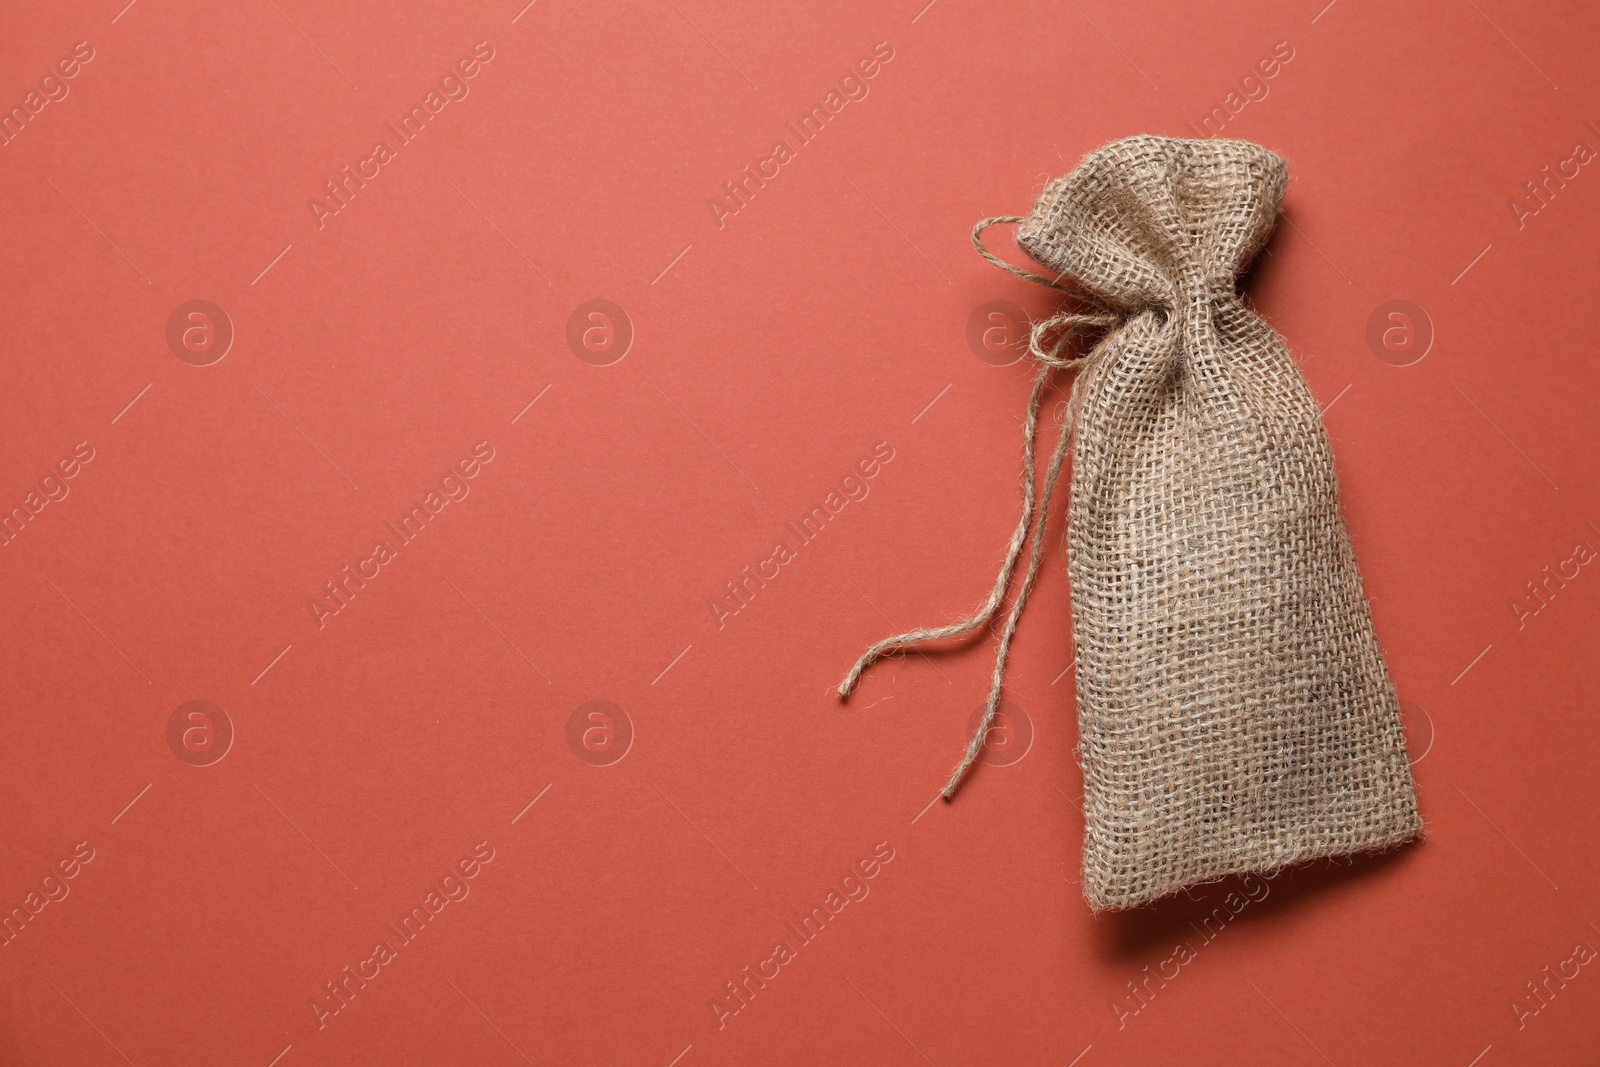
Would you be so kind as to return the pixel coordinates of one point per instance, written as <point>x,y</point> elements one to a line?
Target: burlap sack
<point>1233,704</point>
<point>1234,707</point>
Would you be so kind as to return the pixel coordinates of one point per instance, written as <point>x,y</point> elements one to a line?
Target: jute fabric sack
<point>1234,708</point>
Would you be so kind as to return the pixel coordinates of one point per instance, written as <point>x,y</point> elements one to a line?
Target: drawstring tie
<point>1066,326</point>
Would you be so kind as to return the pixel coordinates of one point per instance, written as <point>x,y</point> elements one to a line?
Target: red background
<point>769,355</point>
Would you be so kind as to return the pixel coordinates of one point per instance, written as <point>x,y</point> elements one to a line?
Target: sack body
<point>1234,707</point>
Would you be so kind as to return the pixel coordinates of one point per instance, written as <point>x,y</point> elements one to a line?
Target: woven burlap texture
<point>1234,707</point>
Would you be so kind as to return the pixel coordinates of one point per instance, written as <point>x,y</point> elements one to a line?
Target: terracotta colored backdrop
<point>441,447</point>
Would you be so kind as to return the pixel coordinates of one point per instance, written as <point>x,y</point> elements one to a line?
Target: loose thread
<point>1033,520</point>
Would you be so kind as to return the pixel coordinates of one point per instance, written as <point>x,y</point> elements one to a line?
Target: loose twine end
<point>1031,523</point>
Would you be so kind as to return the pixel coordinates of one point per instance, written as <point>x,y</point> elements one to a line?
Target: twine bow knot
<point>1048,353</point>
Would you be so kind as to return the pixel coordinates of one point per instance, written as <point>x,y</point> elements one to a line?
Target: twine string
<point>1048,353</point>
